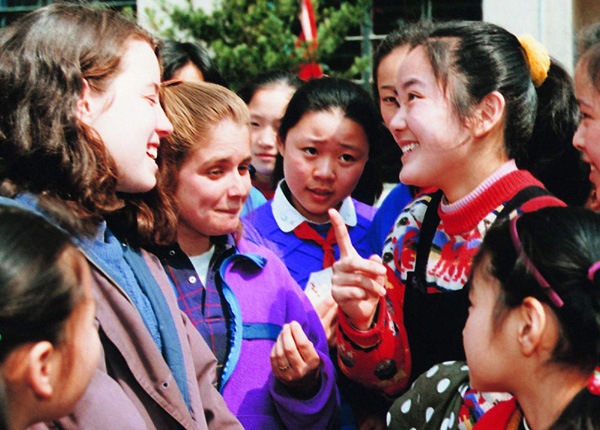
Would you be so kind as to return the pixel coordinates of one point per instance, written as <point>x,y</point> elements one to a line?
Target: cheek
<point>350,177</point>
<point>591,138</point>
<point>387,113</point>
<point>295,171</point>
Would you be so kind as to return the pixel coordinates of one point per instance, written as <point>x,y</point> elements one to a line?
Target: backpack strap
<point>522,197</point>
<point>428,229</point>
<point>432,219</point>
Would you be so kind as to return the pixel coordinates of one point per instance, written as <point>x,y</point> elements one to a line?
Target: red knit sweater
<point>380,357</point>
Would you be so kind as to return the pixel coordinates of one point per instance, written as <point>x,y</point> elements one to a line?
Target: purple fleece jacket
<point>269,295</point>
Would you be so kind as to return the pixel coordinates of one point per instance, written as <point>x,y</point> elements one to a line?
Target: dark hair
<point>174,55</point>
<point>39,289</point>
<point>562,243</point>
<point>408,35</point>
<point>550,155</point>
<point>326,94</point>
<point>589,52</point>
<point>264,80</point>
<point>44,149</point>
<point>477,58</point>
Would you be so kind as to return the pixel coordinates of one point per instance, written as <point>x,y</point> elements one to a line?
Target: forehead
<point>139,65</point>
<point>584,87</point>
<point>275,96</point>
<point>390,63</point>
<point>229,138</point>
<point>415,62</point>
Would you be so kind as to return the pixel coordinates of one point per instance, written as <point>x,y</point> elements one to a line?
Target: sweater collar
<point>466,217</point>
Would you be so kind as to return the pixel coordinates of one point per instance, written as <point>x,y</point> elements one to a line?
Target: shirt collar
<point>288,218</point>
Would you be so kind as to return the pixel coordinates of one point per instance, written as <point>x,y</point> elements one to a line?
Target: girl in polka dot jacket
<point>533,329</point>
<point>468,100</point>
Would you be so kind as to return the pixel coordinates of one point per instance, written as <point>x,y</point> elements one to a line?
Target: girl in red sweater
<point>468,100</point>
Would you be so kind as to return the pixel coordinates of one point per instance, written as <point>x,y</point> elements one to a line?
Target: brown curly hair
<point>44,149</point>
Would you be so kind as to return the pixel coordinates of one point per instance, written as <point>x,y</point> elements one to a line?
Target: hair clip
<point>593,384</point>
<point>537,57</point>
<point>594,267</point>
<point>532,269</point>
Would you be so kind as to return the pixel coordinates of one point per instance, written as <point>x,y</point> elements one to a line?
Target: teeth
<point>409,147</point>
<point>152,153</point>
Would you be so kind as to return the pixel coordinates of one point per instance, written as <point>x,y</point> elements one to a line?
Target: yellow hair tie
<point>537,57</point>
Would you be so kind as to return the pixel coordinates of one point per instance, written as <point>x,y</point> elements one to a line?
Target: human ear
<point>532,323</point>
<point>489,113</point>
<point>42,364</point>
<point>83,111</point>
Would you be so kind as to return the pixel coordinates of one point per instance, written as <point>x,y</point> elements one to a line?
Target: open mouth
<point>152,152</point>
<point>409,147</point>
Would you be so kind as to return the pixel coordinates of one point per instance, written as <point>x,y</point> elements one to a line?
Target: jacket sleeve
<point>218,416</point>
<point>322,410</point>
<point>378,358</point>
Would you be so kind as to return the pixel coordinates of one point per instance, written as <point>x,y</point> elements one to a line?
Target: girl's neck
<point>191,242</point>
<point>262,177</point>
<point>542,410</point>
<point>478,166</point>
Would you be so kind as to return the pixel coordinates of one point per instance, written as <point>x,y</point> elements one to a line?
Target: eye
<point>254,124</point>
<point>390,101</point>
<point>411,96</point>
<point>347,158</point>
<point>152,98</point>
<point>215,172</point>
<point>310,150</point>
<point>243,169</point>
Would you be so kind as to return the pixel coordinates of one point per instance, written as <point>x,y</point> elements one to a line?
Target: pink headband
<point>592,270</point>
<point>532,269</point>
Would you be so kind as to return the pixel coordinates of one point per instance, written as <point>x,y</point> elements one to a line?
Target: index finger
<point>341,234</point>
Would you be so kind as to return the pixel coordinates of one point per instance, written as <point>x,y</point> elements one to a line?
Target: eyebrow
<point>351,147</point>
<point>411,82</point>
<point>582,102</point>
<point>225,160</point>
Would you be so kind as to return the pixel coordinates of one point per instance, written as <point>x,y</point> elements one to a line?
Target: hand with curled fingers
<point>357,283</point>
<point>295,362</point>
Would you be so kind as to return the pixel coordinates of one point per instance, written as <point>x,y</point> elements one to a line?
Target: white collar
<point>288,218</point>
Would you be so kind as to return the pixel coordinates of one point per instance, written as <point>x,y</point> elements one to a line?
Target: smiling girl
<point>80,127</point>
<point>468,104</point>
<point>587,89</point>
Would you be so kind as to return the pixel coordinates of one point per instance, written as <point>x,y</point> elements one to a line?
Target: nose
<point>164,128</point>
<point>398,122</point>
<point>239,185</point>
<point>266,138</point>
<point>324,169</point>
<point>578,140</point>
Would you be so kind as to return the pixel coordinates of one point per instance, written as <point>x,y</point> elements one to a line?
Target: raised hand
<point>357,283</point>
<point>295,361</point>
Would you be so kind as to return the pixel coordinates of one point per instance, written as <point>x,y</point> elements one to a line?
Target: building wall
<point>549,21</point>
